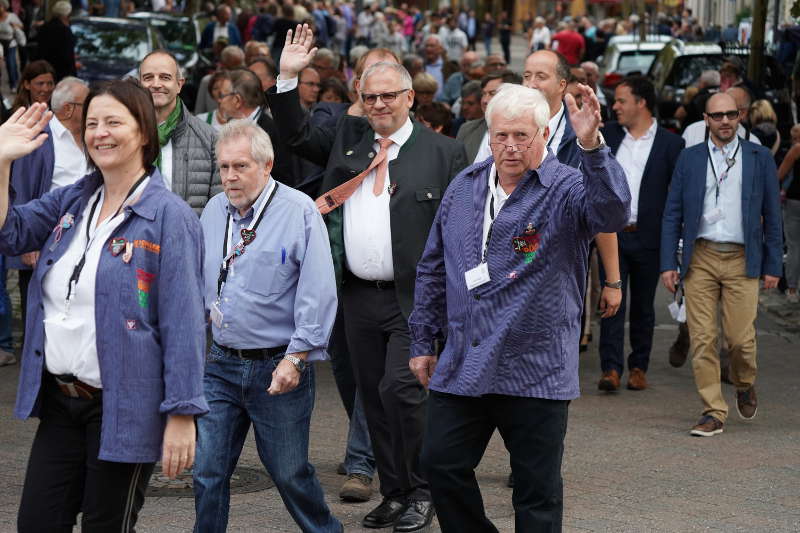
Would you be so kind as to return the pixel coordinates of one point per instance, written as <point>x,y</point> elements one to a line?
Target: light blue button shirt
<point>282,290</point>
<point>730,228</point>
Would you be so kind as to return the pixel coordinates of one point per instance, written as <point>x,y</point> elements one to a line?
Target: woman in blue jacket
<point>113,358</point>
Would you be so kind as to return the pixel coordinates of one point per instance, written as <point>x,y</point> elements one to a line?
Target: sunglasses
<point>716,117</point>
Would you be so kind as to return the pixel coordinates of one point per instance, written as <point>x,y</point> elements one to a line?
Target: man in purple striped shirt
<point>502,280</point>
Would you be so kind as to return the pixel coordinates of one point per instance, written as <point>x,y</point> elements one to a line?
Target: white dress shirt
<point>166,164</point>
<point>695,133</point>
<point>367,225</point>
<point>70,336</point>
<point>70,161</point>
<point>557,124</point>
<point>632,156</point>
<point>484,150</point>
<point>731,227</point>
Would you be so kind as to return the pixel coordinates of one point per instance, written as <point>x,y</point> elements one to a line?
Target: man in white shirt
<point>454,40</point>
<point>647,154</point>
<point>697,132</point>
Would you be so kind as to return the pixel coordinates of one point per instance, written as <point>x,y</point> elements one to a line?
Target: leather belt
<point>72,387</point>
<point>374,284</point>
<point>252,354</point>
<point>724,247</point>
<point>630,228</point>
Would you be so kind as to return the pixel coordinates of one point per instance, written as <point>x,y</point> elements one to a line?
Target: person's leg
<point>11,64</point>
<point>54,481</point>
<point>791,228</point>
<point>612,329</point>
<point>358,457</point>
<point>281,424</point>
<point>533,430</point>
<point>457,433</point>
<point>702,300</point>
<point>340,364</point>
<point>6,314</point>
<point>739,310</point>
<point>220,437</point>
<point>644,275</point>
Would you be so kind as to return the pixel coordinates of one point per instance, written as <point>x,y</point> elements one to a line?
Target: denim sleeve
<point>28,226</point>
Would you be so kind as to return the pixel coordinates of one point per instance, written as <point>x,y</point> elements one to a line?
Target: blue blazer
<point>150,336</point>
<point>655,180</point>
<point>31,178</point>
<point>761,213</point>
<point>568,152</point>
<point>207,37</point>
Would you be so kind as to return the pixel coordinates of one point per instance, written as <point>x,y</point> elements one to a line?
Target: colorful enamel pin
<point>527,243</point>
<point>117,245</point>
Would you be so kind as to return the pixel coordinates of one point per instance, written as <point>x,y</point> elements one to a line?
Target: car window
<point>687,69</point>
<point>110,42</point>
<point>635,60</point>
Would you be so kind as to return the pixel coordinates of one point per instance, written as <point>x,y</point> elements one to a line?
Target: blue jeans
<point>236,391</point>
<point>358,457</point>
<point>5,311</point>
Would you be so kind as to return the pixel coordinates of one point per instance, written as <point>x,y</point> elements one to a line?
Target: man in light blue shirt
<point>271,300</point>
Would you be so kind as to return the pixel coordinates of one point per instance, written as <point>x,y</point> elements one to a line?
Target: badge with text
<point>527,243</point>
<point>477,276</point>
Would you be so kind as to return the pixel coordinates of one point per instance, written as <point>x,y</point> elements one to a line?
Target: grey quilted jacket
<point>195,177</point>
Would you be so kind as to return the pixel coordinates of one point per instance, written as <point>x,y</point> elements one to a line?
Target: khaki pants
<point>717,280</point>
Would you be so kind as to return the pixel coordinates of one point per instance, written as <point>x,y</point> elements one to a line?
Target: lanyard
<point>491,216</point>
<point>90,223</point>
<point>729,162</point>
<point>239,249</point>
<point>555,131</point>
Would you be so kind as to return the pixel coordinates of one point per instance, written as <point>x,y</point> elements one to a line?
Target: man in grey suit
<point>474,133</point>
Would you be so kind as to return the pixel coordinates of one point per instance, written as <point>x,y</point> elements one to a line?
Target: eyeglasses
<point>717,117</point>
<point>386,98</point>
<point>513,147</point>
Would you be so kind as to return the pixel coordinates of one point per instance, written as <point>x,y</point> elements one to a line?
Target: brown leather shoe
<point>636,379</point>
<point>707,426</point>
<point>609,382</point>
<point>746,403</point>
<point>357,488</point>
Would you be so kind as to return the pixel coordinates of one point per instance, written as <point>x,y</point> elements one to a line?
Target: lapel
<point>656,154</point>
<point>614,134</point>
<point>480,189</point>
<point>569,135</point>
<point>748,179</point>
<point>698,185</point>
<point>357,156</point>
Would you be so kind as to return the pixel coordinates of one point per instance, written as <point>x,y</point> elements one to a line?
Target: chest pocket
<point>268,272</point>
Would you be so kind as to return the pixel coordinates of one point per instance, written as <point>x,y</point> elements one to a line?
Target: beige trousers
<point>717,280</point>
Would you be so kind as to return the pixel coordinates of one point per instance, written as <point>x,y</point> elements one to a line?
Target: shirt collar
<point>58,128</point>
<point>727,150</point>
<point>261,198</point>
<point>401,135</point>
<point>649,134</point>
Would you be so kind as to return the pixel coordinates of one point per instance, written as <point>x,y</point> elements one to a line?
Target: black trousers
<point>456,436</point>
<point>25,277</point>
<point>394,401</point>
<point>640,273</point>
<point>341,365</point>
<point>65,476</point>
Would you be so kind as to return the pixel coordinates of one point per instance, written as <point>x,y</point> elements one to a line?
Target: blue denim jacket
<point>148,312</point>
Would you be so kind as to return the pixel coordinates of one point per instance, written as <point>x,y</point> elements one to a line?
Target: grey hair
<point>383,66</point>
<point>515,101</point>
<point>710,78</point>
<point>64,92</point>
<point>324,53</point>
<point>61,9</point>
<point>244,128</point>
<point>590,65</point>
<point>471,88</point>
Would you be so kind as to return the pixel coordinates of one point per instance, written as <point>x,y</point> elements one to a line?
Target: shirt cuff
<point>284,86</point>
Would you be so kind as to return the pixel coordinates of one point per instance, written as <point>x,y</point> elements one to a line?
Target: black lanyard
<point>76,272</point>
<point>729,165</point>
<point>226,261</point>
<point>555,131</point>
<point>491,216</point>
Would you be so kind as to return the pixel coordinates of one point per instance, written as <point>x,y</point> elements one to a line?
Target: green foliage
<point>744,13</point>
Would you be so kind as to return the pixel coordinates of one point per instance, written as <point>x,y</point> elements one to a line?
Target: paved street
<point>630,464</point>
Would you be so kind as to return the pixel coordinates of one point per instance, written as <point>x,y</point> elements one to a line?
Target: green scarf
<point>166,129</point>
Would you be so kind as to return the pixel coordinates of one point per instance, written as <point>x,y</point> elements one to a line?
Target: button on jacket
<point>518,333</point>
<point>149,313</point>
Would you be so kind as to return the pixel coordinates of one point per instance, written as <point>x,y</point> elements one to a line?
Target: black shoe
<point>510,481</point>
<point>418,515</point>
<point>386,514</point>
<point>341,470</point>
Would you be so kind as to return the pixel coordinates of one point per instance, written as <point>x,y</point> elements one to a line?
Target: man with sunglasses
<point>723,202</point>
<point>385,176</point>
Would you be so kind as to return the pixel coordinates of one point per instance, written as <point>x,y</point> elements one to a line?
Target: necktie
<point>338,195</point>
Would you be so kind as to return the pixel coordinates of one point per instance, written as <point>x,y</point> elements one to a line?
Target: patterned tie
<point>338,195</point>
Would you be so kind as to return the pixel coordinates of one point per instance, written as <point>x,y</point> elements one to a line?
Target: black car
<point>111,48</point>
<point>679,65</point>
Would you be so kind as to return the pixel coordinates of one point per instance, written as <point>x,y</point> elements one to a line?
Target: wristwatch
<point>613,284</point>
<point>298,363</point>
<point>601,143</point>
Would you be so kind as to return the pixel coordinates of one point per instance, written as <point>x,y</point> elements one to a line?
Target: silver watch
<point>600,139</point>
<point>298,363</point>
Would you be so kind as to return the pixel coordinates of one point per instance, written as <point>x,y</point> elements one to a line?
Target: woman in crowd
<point>790,167</point>
<point>215,84</point>
<point>10,31</point>
<point>37,84</point>
<point>113,358</point>
<point>425,87</point>
<point>764,125</point>
<point>333,90</point>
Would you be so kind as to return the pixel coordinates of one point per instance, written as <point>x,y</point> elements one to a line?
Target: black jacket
<point>57,47</point>
<point>421,172</point>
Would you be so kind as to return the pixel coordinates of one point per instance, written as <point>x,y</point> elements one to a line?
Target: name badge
<point>477,276</point>
<point>216,315</point>
<point>714,216</point>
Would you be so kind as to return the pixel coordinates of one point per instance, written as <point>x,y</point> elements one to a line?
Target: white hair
<point>260,144</point>
<point>710,78</point>
<point>515,101</point>
<point>64,93</point>
<point>383,66</point>
<point>62,9</point>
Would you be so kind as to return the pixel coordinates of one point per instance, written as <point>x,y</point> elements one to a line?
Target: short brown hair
<point>139,103</point>
<point>247,85</point>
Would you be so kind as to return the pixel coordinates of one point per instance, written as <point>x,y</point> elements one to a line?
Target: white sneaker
<point>7,358</point>
<point>793,297</point>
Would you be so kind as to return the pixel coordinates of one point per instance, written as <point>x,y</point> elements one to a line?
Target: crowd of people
<point>380,189</point>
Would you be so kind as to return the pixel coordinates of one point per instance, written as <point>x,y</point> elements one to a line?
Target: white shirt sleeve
<point>284,86</point>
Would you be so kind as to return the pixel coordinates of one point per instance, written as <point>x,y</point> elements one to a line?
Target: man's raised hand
<point>297,52</point>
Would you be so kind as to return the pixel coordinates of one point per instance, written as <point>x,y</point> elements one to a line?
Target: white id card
<point>714,216</point>
<point>477,276</point>
<point>216,315</point>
